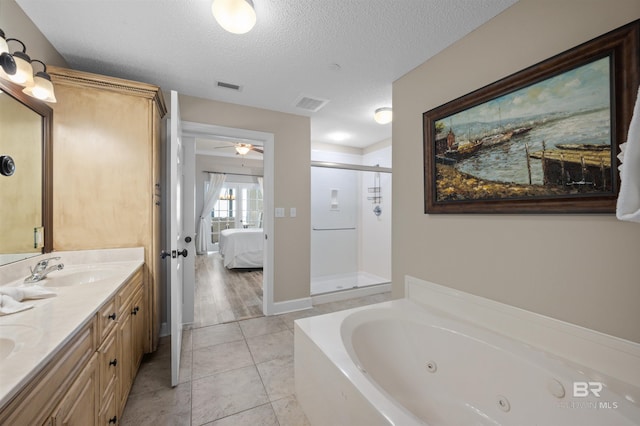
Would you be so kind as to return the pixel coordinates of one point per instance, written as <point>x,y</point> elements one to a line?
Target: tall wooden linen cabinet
<point>106,172</point>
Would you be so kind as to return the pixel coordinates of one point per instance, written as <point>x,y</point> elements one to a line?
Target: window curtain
<point>261,183</point>
<point>216,180</point>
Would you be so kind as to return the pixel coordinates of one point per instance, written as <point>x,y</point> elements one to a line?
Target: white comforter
<point>242,248</point>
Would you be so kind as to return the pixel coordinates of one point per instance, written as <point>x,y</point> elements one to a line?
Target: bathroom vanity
<point>106,171</point>
<point>72,358</point>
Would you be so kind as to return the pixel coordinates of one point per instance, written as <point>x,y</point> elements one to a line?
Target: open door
<point>176,250</point>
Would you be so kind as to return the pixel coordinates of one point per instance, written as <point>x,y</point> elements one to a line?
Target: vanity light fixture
<point>42,88</point>
<point>24,71</point>
<point>383,115</point>
<point>7,63</point>
<point>17,68</point>
<point>235,16</point>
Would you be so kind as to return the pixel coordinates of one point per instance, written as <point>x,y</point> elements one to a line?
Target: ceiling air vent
<point>229,86</point>
<point>308,103</point>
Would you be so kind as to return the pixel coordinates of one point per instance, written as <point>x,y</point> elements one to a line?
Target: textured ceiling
<point>291,52</point>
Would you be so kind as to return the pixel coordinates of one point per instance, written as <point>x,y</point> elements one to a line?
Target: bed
<point>242,248</point>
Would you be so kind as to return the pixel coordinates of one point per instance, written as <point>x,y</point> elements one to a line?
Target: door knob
<point>164,254</point>
<point>183,253</point>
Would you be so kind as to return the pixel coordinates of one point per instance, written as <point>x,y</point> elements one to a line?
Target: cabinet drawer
<point>108,363</point>
<point>48,387</point>
<point>109,408</point>
<point>107,317</point>
<point>126,293</point>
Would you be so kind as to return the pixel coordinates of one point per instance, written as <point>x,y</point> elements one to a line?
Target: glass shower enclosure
<point>350,226</point>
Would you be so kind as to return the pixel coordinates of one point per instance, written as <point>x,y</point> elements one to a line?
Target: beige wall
<point>581,269</point>
<point>16,24</point>
<point>292,182</point>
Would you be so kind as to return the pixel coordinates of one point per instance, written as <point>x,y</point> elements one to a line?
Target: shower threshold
<point>341,282</point>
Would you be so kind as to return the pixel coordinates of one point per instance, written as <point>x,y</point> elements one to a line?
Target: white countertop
<point>52,322</point>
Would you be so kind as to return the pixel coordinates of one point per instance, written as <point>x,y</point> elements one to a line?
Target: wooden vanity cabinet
<point>80,404</point>
<point>130,330</point>
<point>109,365</point>
<point>39,398</point>
<point>106,173</point>
<point>138,322</point>
<point>88,381</point>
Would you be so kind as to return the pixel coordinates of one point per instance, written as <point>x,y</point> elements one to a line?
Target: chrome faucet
<point>42,269</point>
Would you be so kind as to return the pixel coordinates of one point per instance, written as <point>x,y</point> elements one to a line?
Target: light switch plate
<point>292,212</point>
<point>279,211</point>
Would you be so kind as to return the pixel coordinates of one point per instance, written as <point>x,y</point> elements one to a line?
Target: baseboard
<point>290,306</point>
<point>165,330</point>
<point>352,293</point>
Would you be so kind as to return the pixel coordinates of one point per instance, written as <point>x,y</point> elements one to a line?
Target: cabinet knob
<point>113,362</point>
<point>113,420</point>
<point>112,316</point>
<point>135,310</point>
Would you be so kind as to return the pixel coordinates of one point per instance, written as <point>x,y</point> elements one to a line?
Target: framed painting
<point>543,140</point>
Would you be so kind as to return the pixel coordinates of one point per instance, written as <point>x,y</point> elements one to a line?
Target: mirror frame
<point>45,111</point>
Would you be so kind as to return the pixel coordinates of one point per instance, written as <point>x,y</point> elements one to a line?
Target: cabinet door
<point>138,325</point>
<point>126,347</point>
<point>80,404</point>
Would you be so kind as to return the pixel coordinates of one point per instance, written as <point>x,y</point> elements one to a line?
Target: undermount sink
<point>79,274</point>
<point>15,337</point>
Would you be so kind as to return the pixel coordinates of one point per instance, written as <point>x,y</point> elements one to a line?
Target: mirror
<point>25,175</point>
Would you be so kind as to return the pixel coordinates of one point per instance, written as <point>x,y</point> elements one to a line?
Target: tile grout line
<point>260,376</point>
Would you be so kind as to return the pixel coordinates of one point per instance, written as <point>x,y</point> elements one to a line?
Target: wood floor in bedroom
<point>223,295</point>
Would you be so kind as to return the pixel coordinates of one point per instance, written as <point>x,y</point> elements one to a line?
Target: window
<point>251,207</point>
<point>239,206</point>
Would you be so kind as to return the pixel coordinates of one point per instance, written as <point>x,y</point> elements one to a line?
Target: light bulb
<point>235,16</point>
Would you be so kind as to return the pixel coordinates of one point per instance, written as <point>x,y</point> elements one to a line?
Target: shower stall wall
<point>351,227</point>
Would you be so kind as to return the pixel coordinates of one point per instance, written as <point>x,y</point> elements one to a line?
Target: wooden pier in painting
<point>586,166</point>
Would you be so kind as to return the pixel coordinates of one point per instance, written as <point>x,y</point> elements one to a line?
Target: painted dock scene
<point>552,138</point>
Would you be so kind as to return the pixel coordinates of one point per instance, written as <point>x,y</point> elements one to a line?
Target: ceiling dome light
<point>383,115</point>
<point>235,16</point>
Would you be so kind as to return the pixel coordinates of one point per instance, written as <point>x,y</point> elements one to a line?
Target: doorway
<point>210,261</point>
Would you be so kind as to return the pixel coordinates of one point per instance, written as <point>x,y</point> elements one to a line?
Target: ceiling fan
<point>243,148</point>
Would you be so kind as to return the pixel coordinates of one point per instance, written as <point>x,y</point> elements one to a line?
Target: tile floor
<point>237,373</point>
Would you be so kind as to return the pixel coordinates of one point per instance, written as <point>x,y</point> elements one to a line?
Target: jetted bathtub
<point>406,363</point>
